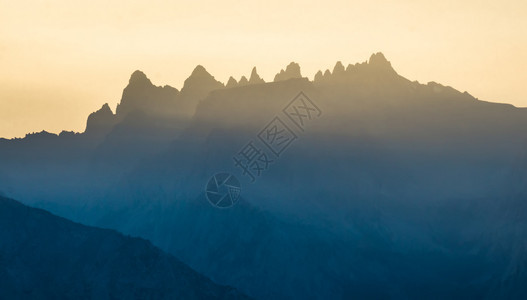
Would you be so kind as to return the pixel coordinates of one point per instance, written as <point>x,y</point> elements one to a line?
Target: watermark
<point>301,110</point>
<point>276,137</point>
<point>223,190</point>
<point>270,143</point>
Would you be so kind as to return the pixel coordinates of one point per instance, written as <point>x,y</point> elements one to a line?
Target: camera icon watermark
<point>223,190</point>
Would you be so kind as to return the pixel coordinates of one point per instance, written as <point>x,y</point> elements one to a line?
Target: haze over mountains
<point>47,257</point>
<point>398,189</point>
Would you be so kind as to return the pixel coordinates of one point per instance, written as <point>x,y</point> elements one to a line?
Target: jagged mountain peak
<point>105,109</point>
<point>375,66</point>
<point>199,70</point>
<point>101,121</point>
<point>318,76</point>
<point>291,71</point>
<point>379,61</point>
<point>141,95</point>
<point>378,58</point>
<point>254,72</point>
<point>243,81</point>
<point>339,68</point>
<point>255,78</point>
<point>139,78</point>
<point>200,79</point>
<point>231,82</point>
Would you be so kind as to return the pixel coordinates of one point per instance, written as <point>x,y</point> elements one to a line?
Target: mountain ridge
<point>162,100</point>
<point>88,262</point>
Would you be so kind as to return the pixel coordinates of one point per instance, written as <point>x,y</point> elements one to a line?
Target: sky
<point>62,60</point>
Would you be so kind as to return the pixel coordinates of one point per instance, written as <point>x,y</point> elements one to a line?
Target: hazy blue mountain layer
<point>43,256</point>
<point>393,189</point>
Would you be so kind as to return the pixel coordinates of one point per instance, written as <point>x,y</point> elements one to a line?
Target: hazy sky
<point>61,60</point>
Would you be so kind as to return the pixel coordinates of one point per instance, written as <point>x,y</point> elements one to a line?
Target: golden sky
<point>61,60</point>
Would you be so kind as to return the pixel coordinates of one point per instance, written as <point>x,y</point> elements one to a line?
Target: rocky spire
<point>199,84</point>
<point>291,71</point>
<point>255,78</point>
<point>199,79</point>
<point>319,76</point>
<point>141,95</point>
<point>231,83</point>
<point>380,63</point>
<point>338,69</point>
<point>101,121</point>
<point>135,93</point>
<point>138,79</point>
<point>243,81</point>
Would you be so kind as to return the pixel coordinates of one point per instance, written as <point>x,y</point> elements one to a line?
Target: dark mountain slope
<point>43,256</point>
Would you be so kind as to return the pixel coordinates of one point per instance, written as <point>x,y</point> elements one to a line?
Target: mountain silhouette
<point>396,189</point>
<point>100,122</point>
<point>291,71</point>
<point>198,85</point>
<point>255,78</point>
<point>243,81</point>
<point>44,256</point>
<point>141,94</point>
<point>231,83</point>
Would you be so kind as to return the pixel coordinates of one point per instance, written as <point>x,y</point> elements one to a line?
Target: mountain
<point>197,86</point>
<point>100,122</point>
<point>391,188</point>
<point>231,83</point>
<point>43,256</point>
<point>291,71</point>
<point>142,95</point>
<point>255,78</point>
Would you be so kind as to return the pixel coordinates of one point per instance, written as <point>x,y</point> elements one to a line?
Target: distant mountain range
<point>396,189</point>
<point>43,256</point>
